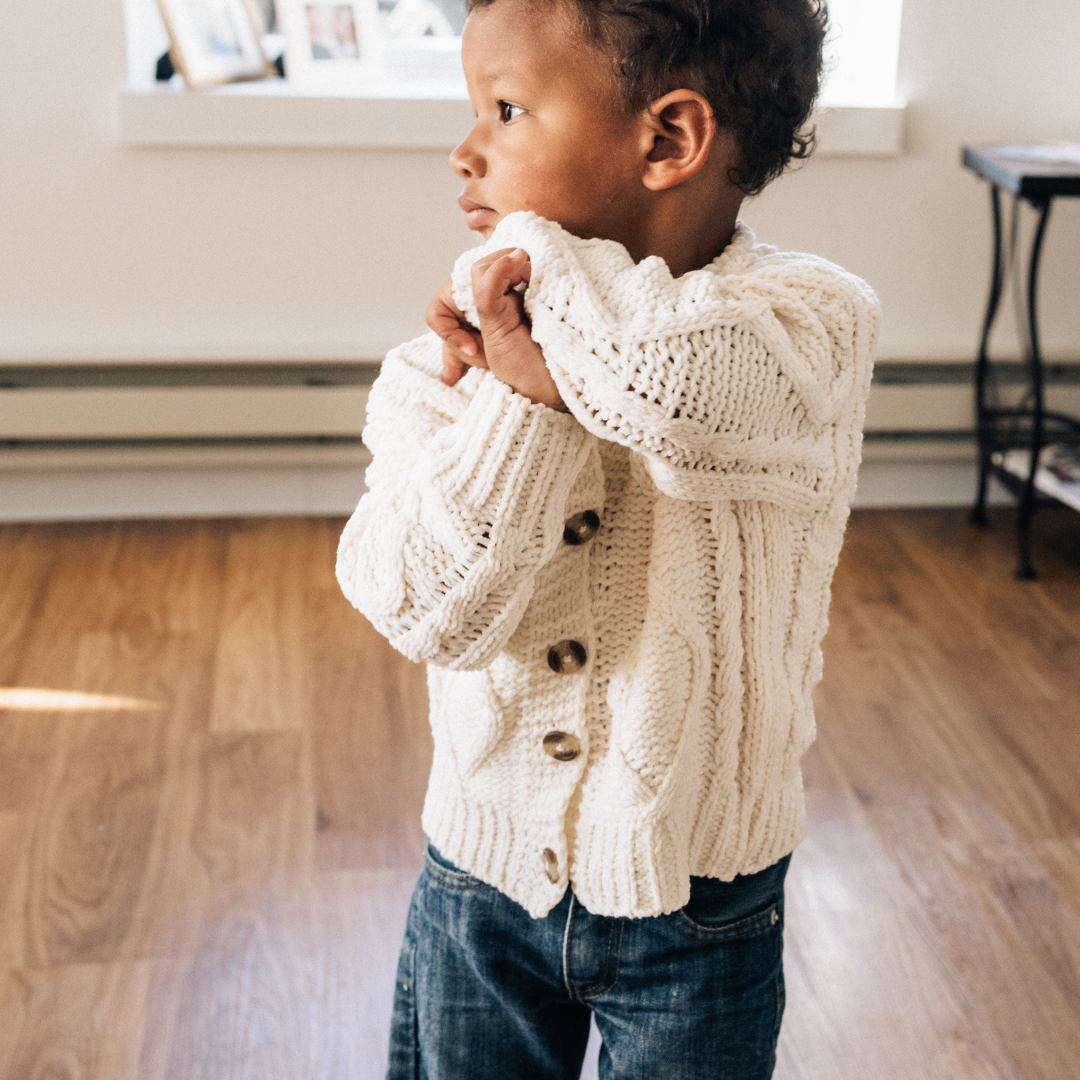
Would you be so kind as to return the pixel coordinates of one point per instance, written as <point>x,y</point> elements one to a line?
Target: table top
<point>1033,172</point>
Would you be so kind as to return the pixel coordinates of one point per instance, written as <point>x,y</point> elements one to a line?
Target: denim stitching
<point>414,1015</point>
<point>566,948</point>
<point>781,994</point>
<point>451,879</point>
<point>618,966</point>
<point>744,927</point>
<point>404,1057</point>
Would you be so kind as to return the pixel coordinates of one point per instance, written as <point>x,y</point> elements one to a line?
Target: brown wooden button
<point>566,656</point>
<point>551,865</point>
<point>581,528</point>
<point>562,746</point>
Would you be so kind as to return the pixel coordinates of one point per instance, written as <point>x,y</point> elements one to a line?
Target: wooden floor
<point>210,882</point>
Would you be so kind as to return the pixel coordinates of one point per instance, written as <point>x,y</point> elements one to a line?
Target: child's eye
<point>508,112</point>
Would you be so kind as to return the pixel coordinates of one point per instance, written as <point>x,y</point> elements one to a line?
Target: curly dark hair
<point>757,62</point>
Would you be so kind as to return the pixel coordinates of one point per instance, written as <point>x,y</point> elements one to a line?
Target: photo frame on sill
<point>214,41</point>
<point>330,43</point>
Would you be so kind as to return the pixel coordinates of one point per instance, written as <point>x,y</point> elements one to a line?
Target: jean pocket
<point>764,921</point>
<point>442,871</point>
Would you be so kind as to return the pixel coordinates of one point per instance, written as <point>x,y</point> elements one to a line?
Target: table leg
<point>1034,357</point>
<point>984,423</point>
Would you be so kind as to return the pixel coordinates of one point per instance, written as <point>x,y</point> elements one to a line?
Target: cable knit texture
<point>714,429</point>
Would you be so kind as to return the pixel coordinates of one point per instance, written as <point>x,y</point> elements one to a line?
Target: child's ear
<point>680,132</point>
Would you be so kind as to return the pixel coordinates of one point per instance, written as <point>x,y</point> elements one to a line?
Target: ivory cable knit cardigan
<point>715,429</point>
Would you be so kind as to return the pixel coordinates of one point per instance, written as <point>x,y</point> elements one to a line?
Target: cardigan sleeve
<point>467,490</point>
<point>744,380</point>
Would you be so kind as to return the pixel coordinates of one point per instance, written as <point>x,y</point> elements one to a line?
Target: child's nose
<point>465,161</point>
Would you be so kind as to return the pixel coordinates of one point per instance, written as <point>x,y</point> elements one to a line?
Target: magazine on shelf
<point>1063,460</point>
<point>1048,154</point>
<point>1058,474</point>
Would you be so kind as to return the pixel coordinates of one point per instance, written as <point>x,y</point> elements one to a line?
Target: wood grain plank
<point>15,830</point>
<point>994,725</point>
<point>27,748</point>
<point>260,676</point>
<point>242,1012</point>
<point>240,911</point>
<point>254,824</point>
<point>299,987</point>
<point>360,922</point>
<point>862,955</point>
<point>1061,861</point>
<point>80,1022</point>
<point>89,854</point>
<point>27,556</point>
<point>372,742</point>
<point>80,884</point>
<point>954,801</point>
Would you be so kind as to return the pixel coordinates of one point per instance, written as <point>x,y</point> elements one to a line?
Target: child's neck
<point>685,230</point>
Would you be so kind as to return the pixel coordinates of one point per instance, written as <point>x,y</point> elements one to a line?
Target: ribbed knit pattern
<point>715,428</point>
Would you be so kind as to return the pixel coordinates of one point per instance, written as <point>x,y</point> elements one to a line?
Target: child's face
<point>551,134</point>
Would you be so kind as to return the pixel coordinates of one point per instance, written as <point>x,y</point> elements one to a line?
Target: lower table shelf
<point>1016,463</point>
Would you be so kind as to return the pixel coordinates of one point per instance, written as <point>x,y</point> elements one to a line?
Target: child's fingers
<point>453,368</point>
<point>525,273</point>
<point>456,364</point>
<point>495,283</point>
<point>518,258</point>
<point>473,354</point>
<point>503,271</point>
<point>444,317</point>
<point>468,342</point>
<point>443,320</point>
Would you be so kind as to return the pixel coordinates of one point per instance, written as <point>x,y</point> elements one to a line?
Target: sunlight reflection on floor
<point>71,700</point>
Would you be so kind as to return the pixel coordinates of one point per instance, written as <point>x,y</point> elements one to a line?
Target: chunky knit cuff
<point>504,458</point>
<point>441,552</point>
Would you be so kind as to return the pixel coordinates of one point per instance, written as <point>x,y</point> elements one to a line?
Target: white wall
<point>116,253</point>
<point>918,227</point>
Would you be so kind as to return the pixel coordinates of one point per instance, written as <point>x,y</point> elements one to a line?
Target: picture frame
<point>331,43</point>
<point>214,41</point>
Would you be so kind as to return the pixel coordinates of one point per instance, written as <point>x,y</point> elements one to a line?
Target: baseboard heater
<point>90,442</point>
<point>96,441</point>
<point>174,402</point>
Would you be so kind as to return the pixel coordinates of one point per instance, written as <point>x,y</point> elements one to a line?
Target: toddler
<point>606,500</point>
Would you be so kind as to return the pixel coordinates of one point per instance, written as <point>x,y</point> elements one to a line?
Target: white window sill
<point>413,116</point>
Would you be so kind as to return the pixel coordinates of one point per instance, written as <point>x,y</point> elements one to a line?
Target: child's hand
<point>505,344</point>
<point>509,349</point>
<point>463,346</point>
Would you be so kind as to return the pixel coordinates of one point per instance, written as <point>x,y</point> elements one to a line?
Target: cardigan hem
<point>620,869</point>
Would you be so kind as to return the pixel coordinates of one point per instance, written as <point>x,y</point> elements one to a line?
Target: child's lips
<point>477,216</point>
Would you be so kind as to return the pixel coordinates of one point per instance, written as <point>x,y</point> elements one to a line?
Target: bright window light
<point>862,52</point>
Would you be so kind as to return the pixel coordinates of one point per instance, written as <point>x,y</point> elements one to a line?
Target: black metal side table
<point>1030,174</point>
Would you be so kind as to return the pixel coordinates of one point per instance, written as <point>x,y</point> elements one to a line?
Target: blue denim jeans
<point>484,991</point>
